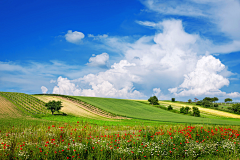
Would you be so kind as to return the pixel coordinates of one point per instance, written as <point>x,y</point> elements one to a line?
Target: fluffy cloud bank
<point>172,57</point>
<point>115,82</point>
<point>74,37</point>
<point>203,80</point>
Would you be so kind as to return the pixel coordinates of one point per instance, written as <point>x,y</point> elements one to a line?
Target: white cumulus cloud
<point>156,91</point>
<point>74,37</point>
<point>204,79</point>
<point>99,60</point>
<point>154,62</point>
<point>115,82</point>
<point>44,89</point>
<point>65,86</point>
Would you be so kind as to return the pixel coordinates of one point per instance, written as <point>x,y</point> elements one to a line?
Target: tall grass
<point>33,139</point>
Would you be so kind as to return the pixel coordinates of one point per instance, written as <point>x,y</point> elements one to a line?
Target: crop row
<point>29,103</point>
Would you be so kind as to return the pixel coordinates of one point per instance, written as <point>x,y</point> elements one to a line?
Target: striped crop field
<point>27,103</point>
<point>8,109</point>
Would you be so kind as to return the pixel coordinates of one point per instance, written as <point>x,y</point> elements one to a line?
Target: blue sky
<point>123,49</point>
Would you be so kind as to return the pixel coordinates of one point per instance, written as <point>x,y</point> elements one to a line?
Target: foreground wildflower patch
<point>85,141</point>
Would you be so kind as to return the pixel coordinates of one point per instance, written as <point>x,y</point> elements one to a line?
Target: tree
<point>170,107</point>
<point>228,100</point>
<point>187,109</point>
<point>208,99</point>
<point>182,110</point>
<point>207,103</point>
<point>173,99</point>
<point>189,101</point>
<point>214,99</point>
<point>236,108</point>
<point>199,103</point>
<point>54,106</point>
<point>153,100</point>
<point>196,112</point>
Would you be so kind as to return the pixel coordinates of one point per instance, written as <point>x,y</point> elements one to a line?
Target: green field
<point>150,133</point>
<point>141,111</point>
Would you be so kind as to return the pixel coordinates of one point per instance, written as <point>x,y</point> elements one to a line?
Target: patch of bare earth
<point>8,110</point>
<point>77,109</point>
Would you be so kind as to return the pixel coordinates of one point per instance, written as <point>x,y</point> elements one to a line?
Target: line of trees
<point>208,102</point>
<point>186,110</point>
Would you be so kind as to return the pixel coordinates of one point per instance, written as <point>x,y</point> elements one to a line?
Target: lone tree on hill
<point>54,106</point>
<point>153,100</point>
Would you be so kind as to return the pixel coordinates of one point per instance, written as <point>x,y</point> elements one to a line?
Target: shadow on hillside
<point>60,114</point>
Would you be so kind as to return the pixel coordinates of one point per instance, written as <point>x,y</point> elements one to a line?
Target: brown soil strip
<point>7,109</point>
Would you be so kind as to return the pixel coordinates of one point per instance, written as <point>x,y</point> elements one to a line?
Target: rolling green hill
<point>134,109</point>
<point>30,105</point>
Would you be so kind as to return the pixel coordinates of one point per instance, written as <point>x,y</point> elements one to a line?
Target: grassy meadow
<point>148,133</point>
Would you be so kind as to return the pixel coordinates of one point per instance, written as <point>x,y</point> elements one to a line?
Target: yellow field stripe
<point>205,110</point>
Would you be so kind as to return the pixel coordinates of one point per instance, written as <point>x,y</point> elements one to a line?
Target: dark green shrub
<point>206,103</point>
<point>170,107</point>
<point>186,110</point>
<point>196,112</point>
<point>199,103</point>
<point>236,108</point>
<point>215,105</point>
<point>173,99</point>
<point>182,110</point>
